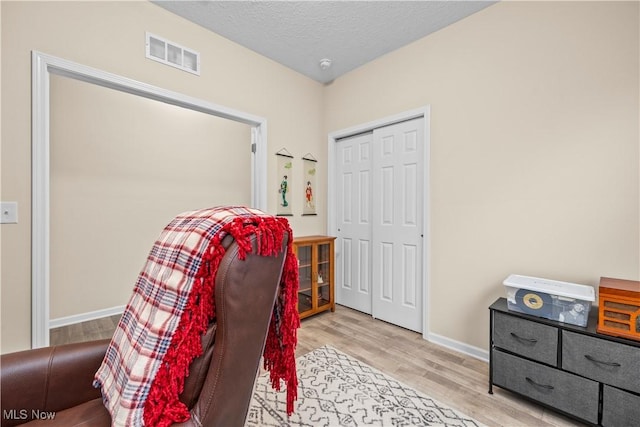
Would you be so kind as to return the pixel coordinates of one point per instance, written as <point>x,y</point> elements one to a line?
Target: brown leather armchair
<point>54,384</point>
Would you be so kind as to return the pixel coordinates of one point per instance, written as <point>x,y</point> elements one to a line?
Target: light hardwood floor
<point>85,331</point>
<point>455,379</point>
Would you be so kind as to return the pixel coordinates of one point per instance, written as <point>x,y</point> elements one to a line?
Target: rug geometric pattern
<point>335,389</point>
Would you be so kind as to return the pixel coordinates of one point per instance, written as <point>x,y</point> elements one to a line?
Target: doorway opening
<point>43,67</point>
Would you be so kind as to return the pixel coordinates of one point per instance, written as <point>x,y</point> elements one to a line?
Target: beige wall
<point>534,147</point>
<point>121,167</point>
<point>110,36</point>
<point>534,142</point>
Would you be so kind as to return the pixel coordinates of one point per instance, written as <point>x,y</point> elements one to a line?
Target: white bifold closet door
<point>380,231</point>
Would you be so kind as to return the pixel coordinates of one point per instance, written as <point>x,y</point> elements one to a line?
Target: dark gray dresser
<point>589,376</point>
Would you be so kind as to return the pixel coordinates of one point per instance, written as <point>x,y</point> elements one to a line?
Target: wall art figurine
<point>309,164</point>
<point>284,190</point>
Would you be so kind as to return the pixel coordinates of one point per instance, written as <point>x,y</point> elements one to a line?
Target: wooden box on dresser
<point>589,376</point>
<point>316,270</point>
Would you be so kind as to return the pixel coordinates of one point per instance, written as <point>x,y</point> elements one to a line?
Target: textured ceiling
<point>299,34</point>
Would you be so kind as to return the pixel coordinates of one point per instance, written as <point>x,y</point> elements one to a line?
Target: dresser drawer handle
<point>593,359</point>
<point>530,381</point>
<point>518,337</point>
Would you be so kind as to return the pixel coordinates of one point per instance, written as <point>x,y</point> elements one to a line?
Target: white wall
<point>534,147</point>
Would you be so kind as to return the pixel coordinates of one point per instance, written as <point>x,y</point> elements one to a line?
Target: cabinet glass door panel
<point>304,301</point>
<point>324,265</point>
<point>305,295</point>
<point>324,295</point>
<point>324,253</point>
<point>324,276</point>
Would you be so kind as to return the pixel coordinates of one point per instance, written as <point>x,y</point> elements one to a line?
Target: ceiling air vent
<point>170,53</point>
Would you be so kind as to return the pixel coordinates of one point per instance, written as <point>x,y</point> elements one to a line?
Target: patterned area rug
<point>337,390</point>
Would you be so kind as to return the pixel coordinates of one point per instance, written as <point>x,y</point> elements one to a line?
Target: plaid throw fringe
<point>159,334</point>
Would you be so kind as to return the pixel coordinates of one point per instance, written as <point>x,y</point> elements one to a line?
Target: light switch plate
<point>8,212</point>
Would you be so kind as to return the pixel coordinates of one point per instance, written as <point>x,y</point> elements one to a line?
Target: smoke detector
<point>325,63</point>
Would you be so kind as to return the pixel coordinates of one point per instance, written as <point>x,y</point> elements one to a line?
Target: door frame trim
<point>333,137</point>
<point>42,66</point>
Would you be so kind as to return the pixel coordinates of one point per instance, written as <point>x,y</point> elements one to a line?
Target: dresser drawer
<point>530,339</point>
<point>566,392</point>
<point>602,360</point>
<point>619,408</point>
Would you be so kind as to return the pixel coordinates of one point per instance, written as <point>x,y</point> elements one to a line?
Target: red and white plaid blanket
<point>159,333</point>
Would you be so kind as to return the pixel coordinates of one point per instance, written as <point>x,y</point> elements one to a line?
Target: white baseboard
<point>83,317</point>
<point>461,347</point>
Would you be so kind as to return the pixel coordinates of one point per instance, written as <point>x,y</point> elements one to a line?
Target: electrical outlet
<point>8,212</point>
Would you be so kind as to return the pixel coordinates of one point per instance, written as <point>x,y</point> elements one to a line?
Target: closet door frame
<point>332,197</point>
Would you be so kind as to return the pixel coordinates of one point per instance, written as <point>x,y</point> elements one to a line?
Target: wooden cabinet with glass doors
<point>316,269</point>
